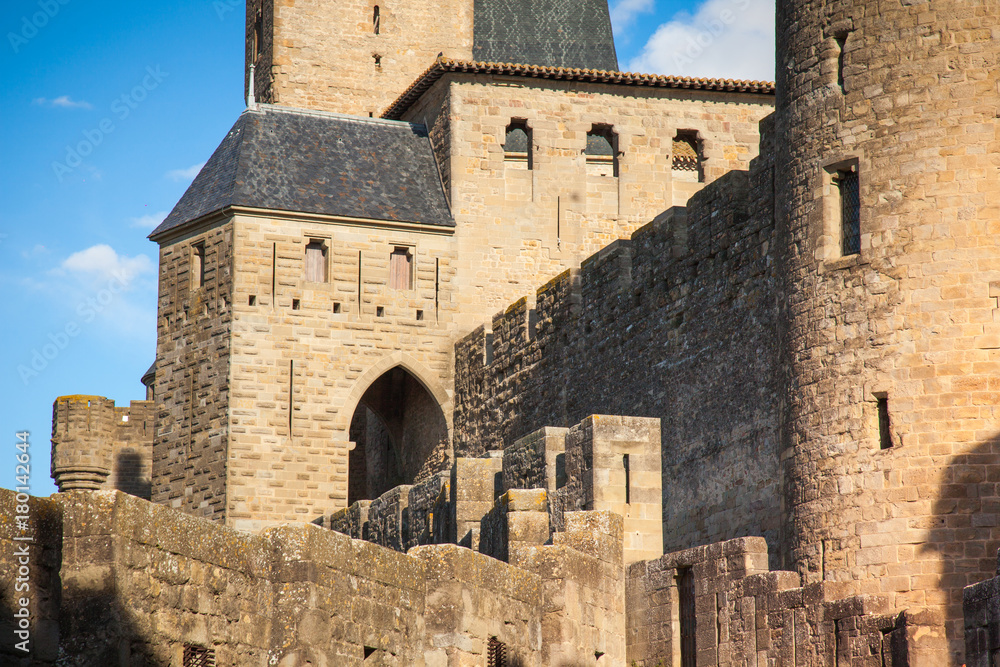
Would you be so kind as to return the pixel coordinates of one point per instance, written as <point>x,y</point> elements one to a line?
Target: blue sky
<point>111,107</point>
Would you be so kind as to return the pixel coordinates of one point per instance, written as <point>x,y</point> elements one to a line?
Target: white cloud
<point>624,13</point>
<point>729,39</point>
<point>103,263</point>
<point>185,174</point>
<point>150,220</point>
<point>63,102</point>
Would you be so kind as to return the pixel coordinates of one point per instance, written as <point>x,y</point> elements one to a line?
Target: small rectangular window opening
<point>379,311</point>
<point>336,307</point>
<point>258,37</point>
<point>685,593</point>
<point>848,185</point>
<point>841,41</point>
<point>401,269</point>
<point>517,144</point>
<point>252,300</point>
<point>420,315</point>
<point>316,261</point>
<point>376,20</point>
<point>602,150</point>
<point>628,485</point>
<point>296,304</point>
<point>198,656</point>
<point>197,265</point>
<point>884,425</point>
<point>496,653</point>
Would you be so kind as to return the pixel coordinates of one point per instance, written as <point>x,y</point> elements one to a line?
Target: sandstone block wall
<point>529,225</point>
<point>679,323</point>
<point>746,614</point>
<point>194,327</point>
<point>907,95</point>
<point>324,56</point>
<point>304,354</point>
<point>981,610</point>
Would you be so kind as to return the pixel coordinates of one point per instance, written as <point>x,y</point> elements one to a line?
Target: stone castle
<point>475,350</point>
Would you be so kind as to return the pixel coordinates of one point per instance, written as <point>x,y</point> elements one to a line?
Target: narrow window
<point>628,493</point>
<point>252,300</point>
<point>517,144</point>
<point>378,61</point>
<point>685,592</point>
<point>376,21</point>
<point>198,656</point>
<point>258,37</point>
<point>420,315</point>
<point>686,161</point>
<point>316,262</point>
<point>602,151</point>
<point>336,307</point>
<point>197,266</point>
<point>379,311</point>
<point>848,186</point>
<point>401,269</point>
<point>496,653</point>
<point>841,41</point>
<point>884,433</point>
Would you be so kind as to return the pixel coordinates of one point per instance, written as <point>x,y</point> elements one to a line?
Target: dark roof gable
<point>555,33</point>
<point>312,162</point>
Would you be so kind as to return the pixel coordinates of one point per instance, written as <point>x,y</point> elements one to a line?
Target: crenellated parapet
<point>678,322</point>
<point>98,445</point>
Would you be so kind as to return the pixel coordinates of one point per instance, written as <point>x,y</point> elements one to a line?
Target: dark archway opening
<point>400,436</point>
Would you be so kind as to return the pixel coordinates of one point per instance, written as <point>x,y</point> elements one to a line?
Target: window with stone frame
<point>401,269</point>
<point>686,160</point>
<point>317,264</point>
<point>602,151</point>
<point>848,187</point>
<point>197,265</point>
<point>517,144</point>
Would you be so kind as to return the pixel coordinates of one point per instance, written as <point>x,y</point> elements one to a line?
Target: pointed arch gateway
<point>399,429</point>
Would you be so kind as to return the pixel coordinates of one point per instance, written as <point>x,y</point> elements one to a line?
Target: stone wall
<point>96,445</point>
<point>677,323</point>
<point>121,581</point>
<point>324,55</point>
<point>981,607</point>
<point>529,225</point>
<point>904,96</point>
<point>745,614</point>
<point>194,326</point>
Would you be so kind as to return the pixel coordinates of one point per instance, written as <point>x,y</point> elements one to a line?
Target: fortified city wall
<point>677,323</point>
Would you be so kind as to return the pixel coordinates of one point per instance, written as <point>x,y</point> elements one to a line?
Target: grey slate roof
<point>310,162</point>
<point>556,33</point>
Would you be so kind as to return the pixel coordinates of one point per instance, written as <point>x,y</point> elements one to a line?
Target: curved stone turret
<point>82,441</point>
<point>893,334</point>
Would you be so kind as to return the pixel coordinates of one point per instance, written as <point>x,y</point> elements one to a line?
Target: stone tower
<point>357,56</point>
<point>887,210</point>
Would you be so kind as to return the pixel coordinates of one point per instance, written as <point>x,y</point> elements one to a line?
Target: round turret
<point>82,437</point>
<point>887,193</point>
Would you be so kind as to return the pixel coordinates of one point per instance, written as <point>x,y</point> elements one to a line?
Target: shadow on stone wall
<point>963,530</point>
<point>128,475</point>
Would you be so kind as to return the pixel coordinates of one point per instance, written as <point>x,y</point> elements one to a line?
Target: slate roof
<point>312,162</point>
<point>443,66</point>
<point>556,33</point>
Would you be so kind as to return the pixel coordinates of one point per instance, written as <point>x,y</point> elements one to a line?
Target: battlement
<point>98,445</point>
<point>677,323</point>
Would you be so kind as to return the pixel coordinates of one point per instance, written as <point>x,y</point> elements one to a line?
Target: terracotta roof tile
<point>443,66</point>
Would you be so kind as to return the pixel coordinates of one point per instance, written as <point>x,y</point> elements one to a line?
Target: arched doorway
<point>400,435</point>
